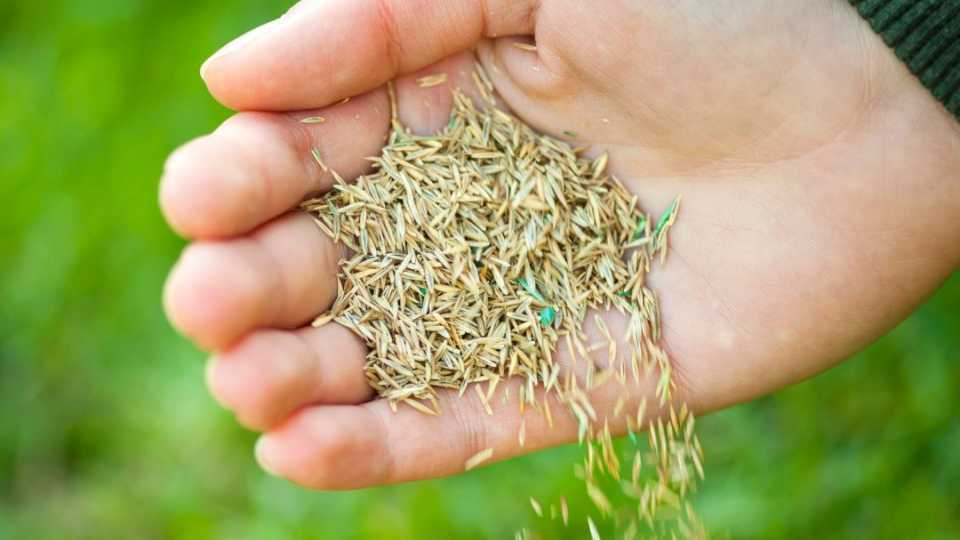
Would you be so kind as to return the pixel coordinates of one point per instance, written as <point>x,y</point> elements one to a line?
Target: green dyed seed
<point>641,226</point>
<point>662,222</point>
<point>547,315</point>
<point>532,289</point>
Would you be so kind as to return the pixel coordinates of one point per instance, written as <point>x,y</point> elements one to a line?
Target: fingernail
<point>237,44</point>
<point>260,450</point>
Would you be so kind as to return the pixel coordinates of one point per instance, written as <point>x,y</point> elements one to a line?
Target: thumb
<point>323,51</point>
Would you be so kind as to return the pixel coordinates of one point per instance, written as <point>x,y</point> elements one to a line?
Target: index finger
<point>321,52</point>
<point>257,166</point>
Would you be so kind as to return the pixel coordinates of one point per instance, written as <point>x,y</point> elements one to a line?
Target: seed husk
<point>525,46</point>
<point>315,152</point>
<point>478,458</point>
<point>592,527</point>
<point>432,80</point>
<point>537,509</point>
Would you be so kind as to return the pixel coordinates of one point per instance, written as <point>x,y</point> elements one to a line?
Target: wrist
<point>924,36</point>
<point>908,63</point>
<point>916,143</point>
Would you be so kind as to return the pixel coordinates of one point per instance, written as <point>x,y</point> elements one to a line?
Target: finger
<point>351,447</point>
<point>210,300</point>
<point>272,373</point>
<point>345,447</point>
<point>280,276</point>
<point>258,165</point>
<point>424,106</point>
<point>321,52</point>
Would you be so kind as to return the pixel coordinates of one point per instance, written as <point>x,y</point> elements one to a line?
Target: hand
<point>820,186</point>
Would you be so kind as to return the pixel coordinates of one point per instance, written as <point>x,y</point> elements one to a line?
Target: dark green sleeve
<point>925,34</point>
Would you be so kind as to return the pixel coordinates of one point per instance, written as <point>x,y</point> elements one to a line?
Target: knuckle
<point>392,45</point>
<point>470,417</point>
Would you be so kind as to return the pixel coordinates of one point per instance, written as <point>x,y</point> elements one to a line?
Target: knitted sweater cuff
<point>925,34</point>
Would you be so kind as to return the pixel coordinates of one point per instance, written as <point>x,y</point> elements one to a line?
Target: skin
<point>820,183</point>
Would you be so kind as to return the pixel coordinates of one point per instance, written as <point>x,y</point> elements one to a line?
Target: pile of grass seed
<point>475,253</point>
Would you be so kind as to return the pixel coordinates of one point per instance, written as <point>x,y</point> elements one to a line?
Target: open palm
<point>818,178</point>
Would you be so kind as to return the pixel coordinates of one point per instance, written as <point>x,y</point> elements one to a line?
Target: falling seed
<point>483,400</point>
<point>478,458</point>
<point>313,120</point>
<point>525,46</point>
<point>536,507</point>
<point>599,499</point>
<point>594,534</point>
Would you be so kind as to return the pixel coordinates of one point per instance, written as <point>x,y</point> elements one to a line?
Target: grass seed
<point>473,252</point>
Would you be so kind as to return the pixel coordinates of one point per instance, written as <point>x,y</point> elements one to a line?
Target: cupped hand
<point>820,187</point>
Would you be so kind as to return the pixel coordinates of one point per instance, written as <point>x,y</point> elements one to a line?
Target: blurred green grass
<point>106,430</point>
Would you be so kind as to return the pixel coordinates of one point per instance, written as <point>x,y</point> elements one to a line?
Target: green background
<point>106,430</point>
